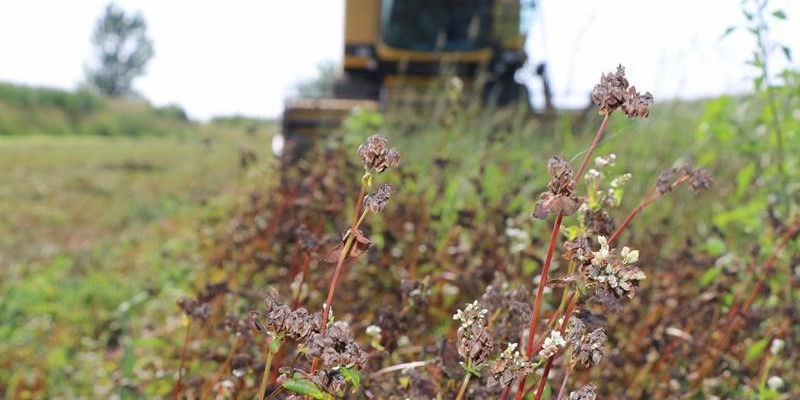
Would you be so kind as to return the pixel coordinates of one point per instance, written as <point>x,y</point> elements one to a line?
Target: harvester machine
<point>394,49</point>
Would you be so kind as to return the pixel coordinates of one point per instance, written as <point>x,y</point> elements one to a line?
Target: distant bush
<point>75,104</point>
<point>28,110</point>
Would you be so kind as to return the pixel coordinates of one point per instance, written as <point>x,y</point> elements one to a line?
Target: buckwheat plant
<point>334,355</point>
<point>596,269</point>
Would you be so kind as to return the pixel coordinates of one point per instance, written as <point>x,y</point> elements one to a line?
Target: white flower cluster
<point>551,344</point>
<point>470,314</point>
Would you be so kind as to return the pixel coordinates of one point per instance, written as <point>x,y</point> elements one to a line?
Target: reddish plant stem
<point>589,152</point>
<point>542,283</point>
<point>549,364</point>
<point>646,201</point>
<point>176,389</point>
<point>564,384</point>
<point>343,256</point>
<point>340,263</point>
<point>504,393</point>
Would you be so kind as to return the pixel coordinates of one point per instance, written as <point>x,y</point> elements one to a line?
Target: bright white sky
<point>244,56</point>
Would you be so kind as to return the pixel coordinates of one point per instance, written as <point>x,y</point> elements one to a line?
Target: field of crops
<point>194,265</point>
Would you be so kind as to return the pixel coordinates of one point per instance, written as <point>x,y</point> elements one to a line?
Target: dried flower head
<point>610,93</point>
<point>700,179</point>
<point>510,365</point>
<point>194,308</point>
<point>335,347</point>
<point>599,222</point>
<point>377,201</point>
<point>585,393</point>
<point>614,92</point>
<point>280,319</point>
<point>578,249</point>
<point>588,348</point>
<point>637,105</point>
<point>330,381</point>
<point>562,185</point>
<point>475,342</point>
<point>376,157</point>
<point>665,179</point>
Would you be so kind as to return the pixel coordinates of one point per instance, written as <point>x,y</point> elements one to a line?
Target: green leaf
<point>352,376</point>
<point>709,276</point>
<point>779,14</point>
<point>756,349</point>
<point>470,368</point>
<point>744,177</point>
<point>715,246</point>
<point>305,387</point>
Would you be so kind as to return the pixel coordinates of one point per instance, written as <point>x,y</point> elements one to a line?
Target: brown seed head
<point>559,198</point>
<point>637,105</point>
<point>376,157</point>
<point>377,201</point>
<point>614,92</point>
<point>585,393</point>
<point>701,179</point>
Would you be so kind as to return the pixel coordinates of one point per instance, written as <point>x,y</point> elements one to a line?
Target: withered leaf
<point>359,247</point>
<point>553,203</point>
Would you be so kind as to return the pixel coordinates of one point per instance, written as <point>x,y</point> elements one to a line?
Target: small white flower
<point>551,344</point>
<point>629,256</point>
<point>775,382</point>
<point>593,174</point>
<point>374,330</point>
<point>603,161</point>
<point>604,252</point>
<point>621,180</point>
<point>776,346</point>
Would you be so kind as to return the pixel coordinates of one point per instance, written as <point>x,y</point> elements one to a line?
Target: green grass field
<point>94,231</point>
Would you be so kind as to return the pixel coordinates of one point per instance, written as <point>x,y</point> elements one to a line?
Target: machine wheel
<point>505,91</point>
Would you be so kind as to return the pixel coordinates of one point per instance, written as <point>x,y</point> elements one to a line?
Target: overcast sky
<point>244,56</point>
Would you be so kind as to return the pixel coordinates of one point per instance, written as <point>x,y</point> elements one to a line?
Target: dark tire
<point>504,92</point>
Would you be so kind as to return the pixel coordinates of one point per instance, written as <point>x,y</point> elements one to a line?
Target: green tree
<point>122,50</point>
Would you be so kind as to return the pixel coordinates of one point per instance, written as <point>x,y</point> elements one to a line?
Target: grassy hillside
<point>44,111</point>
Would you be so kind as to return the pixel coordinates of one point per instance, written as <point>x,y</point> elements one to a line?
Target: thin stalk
<point>648,199</point>
<point>339,264</point>
<point>589,152</point>
<point>348,245</point>
<point>540,388</point>
<point>542,283</point>
<point>464,384</point>
<point>176,389</point>
<point>262,390</point>
<point>564,384</point>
